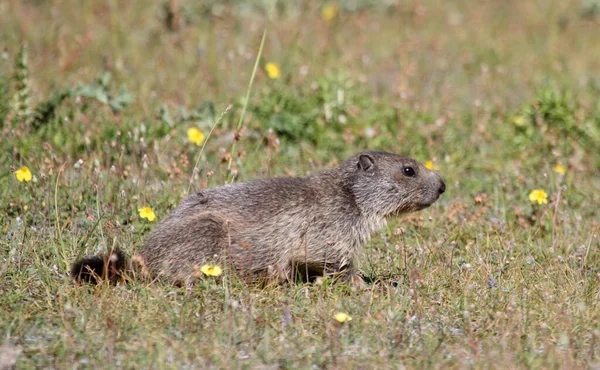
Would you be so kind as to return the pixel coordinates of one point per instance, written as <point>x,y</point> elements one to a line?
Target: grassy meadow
<point>118,105</point>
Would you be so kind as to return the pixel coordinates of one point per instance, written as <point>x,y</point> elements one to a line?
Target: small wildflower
<point>430,166</point>
<point>342,317</point>
<point>519,121</point>
<point>273,70</point>
<point>560,169</point>
<point>147,213</point>
<point>211,270</point>
<point>195,136</point>
<point>329,12</point>
<point>491,282</point>
<point>539,196</point>
<point>23,174</point>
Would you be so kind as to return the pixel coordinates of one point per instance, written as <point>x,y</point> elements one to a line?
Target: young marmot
<point>281,227</point>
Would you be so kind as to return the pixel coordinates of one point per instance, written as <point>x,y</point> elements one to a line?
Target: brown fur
<point>273,227</point>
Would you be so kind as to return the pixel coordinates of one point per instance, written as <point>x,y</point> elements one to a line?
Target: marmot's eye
<point>408,171</point>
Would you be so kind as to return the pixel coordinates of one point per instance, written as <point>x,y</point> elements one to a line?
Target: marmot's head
<point>389,184</point>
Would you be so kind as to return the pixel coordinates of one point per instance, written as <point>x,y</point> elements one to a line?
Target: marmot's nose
<point>442,188</point>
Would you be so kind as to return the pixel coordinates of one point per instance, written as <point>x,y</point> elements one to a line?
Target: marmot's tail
<point>93,269</point>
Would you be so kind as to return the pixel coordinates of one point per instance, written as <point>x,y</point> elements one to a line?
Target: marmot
<point>281,227</point>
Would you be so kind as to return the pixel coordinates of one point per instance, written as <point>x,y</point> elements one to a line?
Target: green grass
<point>495,94</point>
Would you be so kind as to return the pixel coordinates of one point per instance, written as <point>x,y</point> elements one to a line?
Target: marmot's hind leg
<point>179,247</point>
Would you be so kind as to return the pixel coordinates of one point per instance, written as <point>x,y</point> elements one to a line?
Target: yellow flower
<point>329,12</point>
<point>539,196</point>
<point>195,136</point>
<point>273,70</point>
<point>147,213</point>
<point>559,168</point>
<point>23,174</point>
<point>430,166</point>
<point>342,317</point>
<point>519,120</point>
<point>211,270</point>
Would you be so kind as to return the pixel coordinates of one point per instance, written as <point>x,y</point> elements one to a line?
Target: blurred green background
<point>501,97</point>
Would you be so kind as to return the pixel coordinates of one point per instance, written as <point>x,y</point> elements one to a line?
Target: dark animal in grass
<point>281,228</point>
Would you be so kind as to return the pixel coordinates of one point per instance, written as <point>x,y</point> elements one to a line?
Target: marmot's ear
<point>366,162</point>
